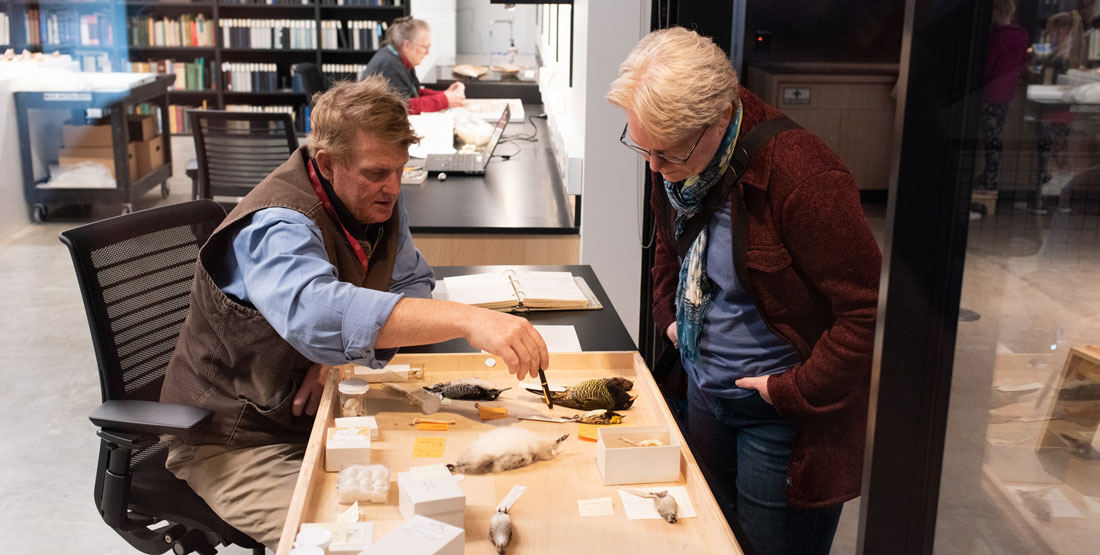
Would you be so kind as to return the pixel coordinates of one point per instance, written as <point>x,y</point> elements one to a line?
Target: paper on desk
<point>1091,503</point>
<point>350,515</point>
<point>429,447</point>
<point>600,506</point>
<point>560,339</point>
<point>489,109</point>
<point>642,507</point>
<point>1060,507</point>
<point>437,132</point>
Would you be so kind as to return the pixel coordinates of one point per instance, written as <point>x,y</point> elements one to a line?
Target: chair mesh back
<point>135,275</point>
<point>237,150</point>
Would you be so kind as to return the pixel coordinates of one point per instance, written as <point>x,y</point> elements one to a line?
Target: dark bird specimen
<point>596,393</point>
<point>471,389</point>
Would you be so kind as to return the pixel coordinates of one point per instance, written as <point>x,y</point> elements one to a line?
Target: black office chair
<point>308,79</point>
<point>237,150</point>
<point>135,273</point>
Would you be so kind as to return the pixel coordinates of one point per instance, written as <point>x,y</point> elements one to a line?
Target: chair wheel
<point>39,213</point>
<point>126,208</point>
<point>165,190</point>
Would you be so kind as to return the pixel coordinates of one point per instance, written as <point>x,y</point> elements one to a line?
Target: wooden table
<point>546,518</point>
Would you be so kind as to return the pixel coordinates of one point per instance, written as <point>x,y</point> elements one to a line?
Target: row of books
<point>356,35</point>
<point>196,75</point>
<point>64,27</point>
<point>298,114</point>
<point>5,29</point>
<point>342,72</point>
<point>251,77</point>
<point>186,30</point>
<point>269,33</point>
<point>92,61</point>
<point>362,2</point>
<point>178,122</point>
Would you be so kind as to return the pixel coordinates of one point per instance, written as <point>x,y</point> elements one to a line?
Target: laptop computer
<point>470,163</point>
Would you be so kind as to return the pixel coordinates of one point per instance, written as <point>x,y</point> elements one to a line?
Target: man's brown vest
<point>228,358</point>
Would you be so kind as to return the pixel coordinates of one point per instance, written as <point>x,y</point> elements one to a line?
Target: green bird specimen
<point>597,393</point>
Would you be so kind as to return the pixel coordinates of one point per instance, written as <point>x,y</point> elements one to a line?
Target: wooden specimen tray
<point>546,519</point>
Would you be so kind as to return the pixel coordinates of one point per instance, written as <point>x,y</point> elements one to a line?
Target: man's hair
<point>675,81</point>
<point>370,105</point>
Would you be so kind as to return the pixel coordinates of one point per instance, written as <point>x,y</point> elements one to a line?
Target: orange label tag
<point>429,446</point>
<point>587,432</point>
<point>433,426</point>
<point>491,413</point>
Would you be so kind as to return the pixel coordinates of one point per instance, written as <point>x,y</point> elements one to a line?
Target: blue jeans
<point>744,447</point>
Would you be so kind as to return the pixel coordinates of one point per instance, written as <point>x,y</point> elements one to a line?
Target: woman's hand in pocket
<point>759,383</point>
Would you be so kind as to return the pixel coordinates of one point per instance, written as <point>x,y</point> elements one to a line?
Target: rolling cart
<point>145,88</point>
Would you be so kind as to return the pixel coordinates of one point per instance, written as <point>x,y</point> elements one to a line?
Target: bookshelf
<point>206,43</point>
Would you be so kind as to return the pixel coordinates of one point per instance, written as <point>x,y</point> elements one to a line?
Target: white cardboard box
<point>421,535</point>
<point>622,463</point>
<point>360,422</point>
<point>346,446</point>
<point>433,492</point>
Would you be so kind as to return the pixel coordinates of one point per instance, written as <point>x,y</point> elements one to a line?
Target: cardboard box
<point>69,157</point>
<point>346,446</point>
<point>86,136</point>
<point>431,491</point>
<point>622,463</point>
<point>142,127</point>
<point>150,155</point>
<point>360,422</point>
<point>420,535</point>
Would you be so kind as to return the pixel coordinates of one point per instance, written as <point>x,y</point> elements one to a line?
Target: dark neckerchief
<point>369,232</point>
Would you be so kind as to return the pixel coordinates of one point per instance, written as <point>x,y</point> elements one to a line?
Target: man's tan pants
<point>250,488</point>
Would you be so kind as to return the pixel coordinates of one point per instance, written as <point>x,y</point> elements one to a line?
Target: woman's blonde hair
<point>675,81</point>
<point>370,105</point>
<point>404,29</point>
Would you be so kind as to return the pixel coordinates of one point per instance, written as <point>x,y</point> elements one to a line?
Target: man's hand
<point>759,383</point>
<point>456,95</point>
<point>512,338</point>
<point>671,333</point>
<point>309,395</point>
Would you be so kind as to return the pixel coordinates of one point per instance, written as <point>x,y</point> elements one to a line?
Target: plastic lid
<point>313,536</point>
<point>354,386</point>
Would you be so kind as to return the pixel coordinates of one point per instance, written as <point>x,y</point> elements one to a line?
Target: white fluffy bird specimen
<point>506,449</point>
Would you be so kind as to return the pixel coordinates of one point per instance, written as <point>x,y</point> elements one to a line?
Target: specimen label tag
<point>429,447</point>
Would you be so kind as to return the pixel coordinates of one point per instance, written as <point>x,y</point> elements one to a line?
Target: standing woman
<point>406,44</point>
<point>773,305</point>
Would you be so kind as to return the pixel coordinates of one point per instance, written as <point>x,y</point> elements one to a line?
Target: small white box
<point>359,422</point>
<point>622,463</point>
<point>346,446</point>
<point>433,492</point>
<point>421,535</point>
<point>348,538</point>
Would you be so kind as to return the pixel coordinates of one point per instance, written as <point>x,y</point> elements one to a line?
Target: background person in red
<point>407,42</point>
<point>1005,58</point>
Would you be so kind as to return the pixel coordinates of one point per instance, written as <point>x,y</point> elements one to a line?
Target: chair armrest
<point>149,417</point>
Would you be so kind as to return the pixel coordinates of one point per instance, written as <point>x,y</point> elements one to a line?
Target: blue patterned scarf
<point>695,288</point>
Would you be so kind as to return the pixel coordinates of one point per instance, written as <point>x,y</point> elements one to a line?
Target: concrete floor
<point>1031,279</point>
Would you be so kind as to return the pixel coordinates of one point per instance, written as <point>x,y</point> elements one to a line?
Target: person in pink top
<point>1004,60</point>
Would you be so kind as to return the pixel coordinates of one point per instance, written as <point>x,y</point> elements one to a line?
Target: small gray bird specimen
<point>470,389</point>
<point>662,501</point>
<point>500,530</point>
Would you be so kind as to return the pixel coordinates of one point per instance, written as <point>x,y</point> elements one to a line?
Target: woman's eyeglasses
<point>625,139</point>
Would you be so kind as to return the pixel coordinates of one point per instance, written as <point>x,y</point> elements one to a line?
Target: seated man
<point>314,267</point>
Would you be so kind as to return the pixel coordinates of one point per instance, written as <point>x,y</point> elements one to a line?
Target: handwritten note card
<point>600,506</point>
<point>429,447</point>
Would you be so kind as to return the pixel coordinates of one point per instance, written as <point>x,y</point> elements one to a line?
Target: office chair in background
<point>135,274</point>
<point>237,150</point>
<point>308,79</point>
